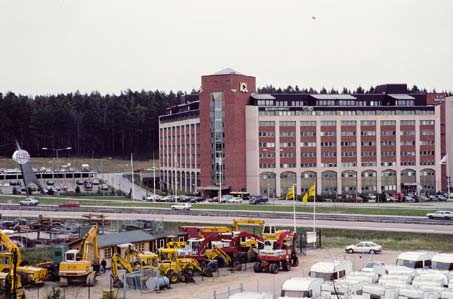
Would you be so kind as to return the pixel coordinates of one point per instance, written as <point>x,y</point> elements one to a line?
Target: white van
<point>330,271</point>
<point>301,287</point>
<point>415,259</point>
<point>251,295</point>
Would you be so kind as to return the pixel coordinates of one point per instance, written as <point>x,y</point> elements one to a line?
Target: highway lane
<point>363,225</point>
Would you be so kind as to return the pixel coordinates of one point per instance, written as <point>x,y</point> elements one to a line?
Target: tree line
<point>98,125</point>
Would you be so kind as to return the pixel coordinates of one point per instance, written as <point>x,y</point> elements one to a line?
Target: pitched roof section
<point>129,237</point>
<point>227,71</point>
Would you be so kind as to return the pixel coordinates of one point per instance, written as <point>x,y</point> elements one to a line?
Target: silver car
<point>364,247</point>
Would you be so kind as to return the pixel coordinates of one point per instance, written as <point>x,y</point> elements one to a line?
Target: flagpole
<point>314,210</point>
<point>294,206</point>
<point>448,177</point>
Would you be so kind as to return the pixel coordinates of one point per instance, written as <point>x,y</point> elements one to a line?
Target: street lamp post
<point>55,150</point>
<point>219,160</point>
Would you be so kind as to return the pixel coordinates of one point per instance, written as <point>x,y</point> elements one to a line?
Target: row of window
<point>345,133</point>
<point>311,123</point>
<point>348,164</point>
<point>310,112</point>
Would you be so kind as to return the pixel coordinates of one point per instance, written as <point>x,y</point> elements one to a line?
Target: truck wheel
<point>63,282</point>
<point>286,266</point>
<point>273,268</point>
<point>257,267</point>
<point>23,277</point>
<point>173,277</point>
<point>212,266</point>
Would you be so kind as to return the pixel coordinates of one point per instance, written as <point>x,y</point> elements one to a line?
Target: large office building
<point>231,138</point>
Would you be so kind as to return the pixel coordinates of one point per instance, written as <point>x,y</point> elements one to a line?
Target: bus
<point>243,195</point>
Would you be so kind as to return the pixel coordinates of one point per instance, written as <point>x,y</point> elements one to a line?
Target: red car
<point>214,199</point>
<point>69,205</point>
<point>358,199</point>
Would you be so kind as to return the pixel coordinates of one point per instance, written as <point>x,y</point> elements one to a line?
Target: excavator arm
<point>11,246</point>
<point>247,221</point>
<point>90,245</point>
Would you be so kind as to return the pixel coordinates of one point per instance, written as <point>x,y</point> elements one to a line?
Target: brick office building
<point>231,137</point>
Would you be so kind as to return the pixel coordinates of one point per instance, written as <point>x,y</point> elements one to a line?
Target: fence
<point>312,239</point>
<point>228,292</point>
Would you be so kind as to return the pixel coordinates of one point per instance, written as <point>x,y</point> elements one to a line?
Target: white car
<point>364,247</point>
<point>29,201</point>
<point>440,215</point>
<point>226,198</point>
<point>182,206</point>
<point>235,200</point>
<point>369,267</point>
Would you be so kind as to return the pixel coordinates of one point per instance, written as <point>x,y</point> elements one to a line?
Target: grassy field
<point>107,164</point>
<point>123,201</point>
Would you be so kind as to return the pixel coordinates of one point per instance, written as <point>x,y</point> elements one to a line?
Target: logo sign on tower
<point>22,157</point>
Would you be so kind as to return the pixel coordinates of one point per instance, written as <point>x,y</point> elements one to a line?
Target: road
<point>397,227</point>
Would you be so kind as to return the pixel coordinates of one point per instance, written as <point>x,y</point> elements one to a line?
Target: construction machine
<point>81,265</point>
<point>145,262</point>
<point>178,268</point>
<point>10,279</point>
<point>278,254</point>
<point>29,275</point>
<point>204,231</point>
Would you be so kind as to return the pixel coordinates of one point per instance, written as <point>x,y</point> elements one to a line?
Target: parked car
<point>214,199</point>
<point>79,182</point>
<point>29,201</point>
<point>50,182</point>
<point>358,199</point>
<point>408,198</point>
<point>73,204</point>
<point>104,187</point>
<point>182,206</point>
<point>440,215</point>
<point>258,199</point>
<point>197,199</point>
<point>96,182</point>
<point>369,267</point>
<point>441,197</point>
<point>235,200</point>
<point>433,197</point>
<point>226,198</point>
<point>364,247</point>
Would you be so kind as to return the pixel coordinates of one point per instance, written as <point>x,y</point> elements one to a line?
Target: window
<point>266,134</point>
<point>348,143</point>
<point>308,155</point>
<point>287,124</point>
<point>162,243</point>
<point>307,165</point>
<point>308,134</point>
<point>348,154</point>
<point>288,134</point>
<point>308,123</point>
<point>427,122</point>
<point>348,133</point>
<point>348,123</point>
<point>426,133</point>
<point>328,123</point>
<point>367,122</point>
<point>139,246</point>
<point>407,143</point>
<point>388,133</point>
<point>368,133</point>
<point>388,123</point>
<point>368,154</point>
<point>267,123</point>
<point>328,154</point>
<point>308,144</point>
<point>330,133</point>
<point>108,252</point>
<point>407,123</point>
<point>328,143</point>
<point>388,143</point>
<point>407,133</point>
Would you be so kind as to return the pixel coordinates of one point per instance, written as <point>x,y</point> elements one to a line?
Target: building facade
<point>231,138</point>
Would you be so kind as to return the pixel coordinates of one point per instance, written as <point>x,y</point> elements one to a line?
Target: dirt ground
<point>204,288</point>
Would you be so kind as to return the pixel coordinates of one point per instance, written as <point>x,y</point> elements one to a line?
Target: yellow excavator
<point>178,268</point>
<point>83,264</point>
<point>29,275</point>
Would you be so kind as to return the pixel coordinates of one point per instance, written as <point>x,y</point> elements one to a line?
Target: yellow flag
<point>290,194</point>
<point>311,192</point>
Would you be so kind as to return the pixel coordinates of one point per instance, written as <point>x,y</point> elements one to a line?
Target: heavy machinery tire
<point>63,282</point>
<point>287,266</point>
<point>173,277</point>
<point>90,279</point>
<point>23,277</point>
<point>273,268</point>
<point>189,271</point>
<point>294,261</point>
<point>207,273</point>
<point>257,267</point>
<point>212,266</point>
<point>220,262</point>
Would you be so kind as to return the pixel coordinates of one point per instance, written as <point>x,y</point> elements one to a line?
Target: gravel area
<point>204,288</point>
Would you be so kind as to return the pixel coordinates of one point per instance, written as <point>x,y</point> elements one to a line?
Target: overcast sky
<point>51,46</point>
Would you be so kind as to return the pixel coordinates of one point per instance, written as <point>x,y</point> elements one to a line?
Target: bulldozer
<point>29,275</point>
<point>81,265</point>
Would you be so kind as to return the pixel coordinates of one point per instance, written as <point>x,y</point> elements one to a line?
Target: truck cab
<point>301,287</point>
<point>329,271</point>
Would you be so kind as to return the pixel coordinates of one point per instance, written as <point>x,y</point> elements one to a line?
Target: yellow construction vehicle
<point>29,274</point>
<point>179,268</point>
<point>83,264</point>
<point>172,242</point>
<point>10,280</point>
